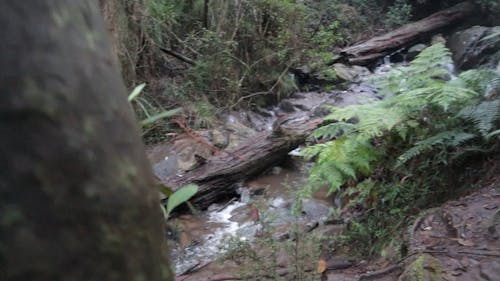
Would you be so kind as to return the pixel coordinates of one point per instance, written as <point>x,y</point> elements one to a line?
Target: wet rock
<point>219,138</point>
<point>315,209</point>
<point>414,51</point>
<point>490,271</point>
<point>241,214</point>
<point>356,94</point>
<point>187,148</point>
<point>470,47</point>
<point>279,203</point>
<point>350,73</point>
<point>167,167</point>
<point>287,106</point>
<point>424,268</point>
<point>239,127</point>
<point>260,122</point>
<point>328,77</point>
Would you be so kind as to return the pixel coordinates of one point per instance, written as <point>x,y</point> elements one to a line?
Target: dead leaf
<point>255,213</point>
<point>321,266</point>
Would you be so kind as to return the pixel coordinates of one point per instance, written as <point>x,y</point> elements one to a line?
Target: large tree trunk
<point>76,199</point>
<point>374,48</point>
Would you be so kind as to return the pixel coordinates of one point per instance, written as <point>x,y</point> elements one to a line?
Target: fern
<point>332,131</point>
<point>422,99</point>
<point>480,79</point>
<point>396,155</point>
<point>431,62</point>
<point>443,140</point>
<point>483,116</point>
<point>371,119</point>
<point>340,161</point>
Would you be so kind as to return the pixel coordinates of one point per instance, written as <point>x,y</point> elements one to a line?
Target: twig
<point>379,273</point>
<point>177,56</point>
<point>265,92</point>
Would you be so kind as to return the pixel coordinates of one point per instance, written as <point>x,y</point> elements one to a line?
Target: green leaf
<point>159,116</point>
<point>136,92</point>
<point>180,196</point>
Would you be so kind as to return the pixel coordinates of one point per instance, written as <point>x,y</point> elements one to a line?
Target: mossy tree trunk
<point>123,20</point>
<point>76,194</point>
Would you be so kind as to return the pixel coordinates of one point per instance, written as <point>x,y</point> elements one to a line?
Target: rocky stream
<point>457,241</point>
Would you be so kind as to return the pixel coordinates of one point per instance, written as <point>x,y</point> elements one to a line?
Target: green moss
<point>424,268</point>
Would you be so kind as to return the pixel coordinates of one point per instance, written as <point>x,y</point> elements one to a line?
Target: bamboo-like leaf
<point>136,92</point>
<point>180,196</point>
<point>159,116</point>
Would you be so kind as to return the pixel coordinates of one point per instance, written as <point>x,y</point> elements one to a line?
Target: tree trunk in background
<point>123,20</point>
<point>76,194</point>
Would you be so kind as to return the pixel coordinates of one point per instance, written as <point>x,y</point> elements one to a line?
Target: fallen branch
<point>217,178</point>
<point>177,56</point>
<point>368,51</point>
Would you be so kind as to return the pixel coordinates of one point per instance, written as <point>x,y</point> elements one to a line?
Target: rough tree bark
<point>76,199</point>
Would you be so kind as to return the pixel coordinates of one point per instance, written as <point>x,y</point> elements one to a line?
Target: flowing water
<point>268,199</point>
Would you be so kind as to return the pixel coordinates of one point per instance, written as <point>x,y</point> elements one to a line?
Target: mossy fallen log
<point>368,51</point>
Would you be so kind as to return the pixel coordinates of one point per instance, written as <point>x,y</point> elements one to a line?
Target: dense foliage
<point>240,52</point>
<point>395,156</point>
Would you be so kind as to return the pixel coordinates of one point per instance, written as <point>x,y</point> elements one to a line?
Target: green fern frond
<point>493,134</point>
<point>451,94</point>
<point>341,160</point>
<point>484,116</point>
<point>479,79</point>
<point>332,131</point>
<point>372,120</point>
<point>311,152</point>
<point>433,57</point>
<point>443,139</point>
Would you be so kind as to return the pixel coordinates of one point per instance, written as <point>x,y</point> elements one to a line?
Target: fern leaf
<point>332,130</point>
<point>484,116</point>
<point>444,139</point>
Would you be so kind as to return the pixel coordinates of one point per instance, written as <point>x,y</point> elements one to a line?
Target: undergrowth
<point>396,156</point>
<point>238,53</point>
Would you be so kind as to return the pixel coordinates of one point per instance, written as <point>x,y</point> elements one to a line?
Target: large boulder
<point>476,46</point>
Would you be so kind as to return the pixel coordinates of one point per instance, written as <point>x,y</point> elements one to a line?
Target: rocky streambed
<point>458,241</point>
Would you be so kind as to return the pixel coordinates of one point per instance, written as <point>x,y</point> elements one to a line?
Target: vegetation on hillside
<point>220,55</point>
<point>394,157</point>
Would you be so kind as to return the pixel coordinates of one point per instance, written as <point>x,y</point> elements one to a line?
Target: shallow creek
<point>196,239</point>
<point>269,200</point>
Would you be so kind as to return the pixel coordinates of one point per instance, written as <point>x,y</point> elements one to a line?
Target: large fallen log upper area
<point>218,176</point>
<point>368,51</point>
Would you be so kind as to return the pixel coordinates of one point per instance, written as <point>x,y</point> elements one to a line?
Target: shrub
<point>429,123</point>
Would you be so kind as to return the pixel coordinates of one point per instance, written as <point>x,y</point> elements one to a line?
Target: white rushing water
<point>212,245</point>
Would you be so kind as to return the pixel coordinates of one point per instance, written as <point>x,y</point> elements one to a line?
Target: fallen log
<point>368,51</point>
<point>219,176</point>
